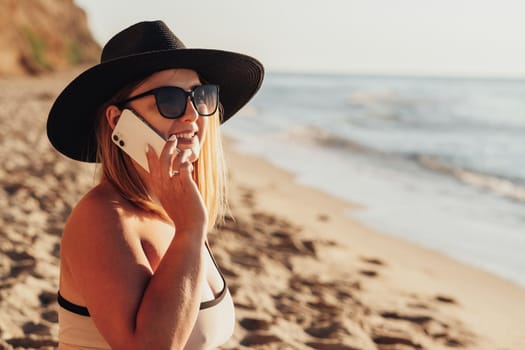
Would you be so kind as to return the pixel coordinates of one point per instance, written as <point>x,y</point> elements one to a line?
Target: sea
<point>433,160</point>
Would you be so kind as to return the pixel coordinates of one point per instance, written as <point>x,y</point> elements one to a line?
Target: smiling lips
<point>185,137</point>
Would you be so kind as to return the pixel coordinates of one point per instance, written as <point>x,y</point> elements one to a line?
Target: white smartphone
<point>132,134</point>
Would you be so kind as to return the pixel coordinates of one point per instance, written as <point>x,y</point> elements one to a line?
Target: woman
<point>136,269</point>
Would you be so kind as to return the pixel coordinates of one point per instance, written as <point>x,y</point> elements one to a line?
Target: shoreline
<point>405,200</point>
<point>411,269</point>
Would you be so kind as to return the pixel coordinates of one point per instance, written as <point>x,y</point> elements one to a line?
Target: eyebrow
<point>192,87</point>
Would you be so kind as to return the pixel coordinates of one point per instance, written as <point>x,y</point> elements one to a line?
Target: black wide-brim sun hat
<point>135,53</point>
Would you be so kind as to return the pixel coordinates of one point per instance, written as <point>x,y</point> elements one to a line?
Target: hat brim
<point>71,123</point>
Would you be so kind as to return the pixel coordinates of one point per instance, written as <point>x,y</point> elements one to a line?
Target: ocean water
<point>437,161</point>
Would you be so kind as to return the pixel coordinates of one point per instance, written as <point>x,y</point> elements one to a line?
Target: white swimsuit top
<point>213,327</point>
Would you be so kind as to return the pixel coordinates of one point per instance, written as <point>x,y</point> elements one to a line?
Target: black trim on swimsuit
<point>222,293</point>
<point>83,311</point>
<point>69,306</point>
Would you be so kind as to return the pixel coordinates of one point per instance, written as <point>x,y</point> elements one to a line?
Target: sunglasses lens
<point>171,101</point>
<point>206,99</point>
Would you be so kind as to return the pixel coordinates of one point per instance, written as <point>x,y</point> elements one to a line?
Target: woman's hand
<point>172,183</point>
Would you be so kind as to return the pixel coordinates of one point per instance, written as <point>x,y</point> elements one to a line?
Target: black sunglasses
<point>172,100</point>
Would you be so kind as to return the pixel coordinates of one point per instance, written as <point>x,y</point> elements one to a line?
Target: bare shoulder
<point>103,199</point>
<point>102,218</point>
<point>99,205</point>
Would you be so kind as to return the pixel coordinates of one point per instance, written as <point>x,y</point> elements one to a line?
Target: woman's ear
<point>112,115</point>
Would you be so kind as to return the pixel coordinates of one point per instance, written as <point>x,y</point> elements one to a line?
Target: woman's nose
<point>190,114</point>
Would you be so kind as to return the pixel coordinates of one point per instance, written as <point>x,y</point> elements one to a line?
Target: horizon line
<point>404,75</point>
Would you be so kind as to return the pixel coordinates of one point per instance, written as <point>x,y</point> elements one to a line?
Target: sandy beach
<point>303,275</point>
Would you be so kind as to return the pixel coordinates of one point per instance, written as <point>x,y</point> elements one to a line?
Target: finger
<point>169,151</point>
<point>181,158</point>
<point>186,169</point>
<point>153,159</point>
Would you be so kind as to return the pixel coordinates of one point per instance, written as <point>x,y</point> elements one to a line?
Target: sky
<point>483,38</point>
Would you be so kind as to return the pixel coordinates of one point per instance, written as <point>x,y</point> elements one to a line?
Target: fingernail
<point>172,138</point>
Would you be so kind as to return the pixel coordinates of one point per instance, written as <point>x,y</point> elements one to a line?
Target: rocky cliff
<point>38,36</point>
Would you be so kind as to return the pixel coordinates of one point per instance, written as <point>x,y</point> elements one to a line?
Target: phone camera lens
<point>121,143</point>
<point>115,137</point>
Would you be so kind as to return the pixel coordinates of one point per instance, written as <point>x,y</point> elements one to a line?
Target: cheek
<point>148,110</point>
<point>162,125</point>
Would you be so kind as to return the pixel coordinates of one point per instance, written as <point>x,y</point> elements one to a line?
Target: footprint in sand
<point>418,305</point>
<point>327,330</point>
<point>274,221</point>
<point>373,261</point>
<point>260,339</point>
<point>388,342</point>
<point>36,328</point>
<point>247,260</point>
<point>284,242</point>
<point>417,319</point>
<point>255,324</point>
<point>47,297</point>
<point>32,343</point>
<point>323,217</point>
<point>19,255</point>
<point>330,346</point>
<point>22,262</point>
<point>47,300</point>
<point>432,327</point>
<point>56,250</point>
<point>445,299</point>
<point>369,273</point>
<point>50,316</point>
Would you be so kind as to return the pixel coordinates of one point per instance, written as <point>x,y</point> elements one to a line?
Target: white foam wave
<point>502,187</point>
<point>499,186</point>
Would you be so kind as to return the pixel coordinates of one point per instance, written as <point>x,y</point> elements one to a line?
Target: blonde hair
<point>209,170</point>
